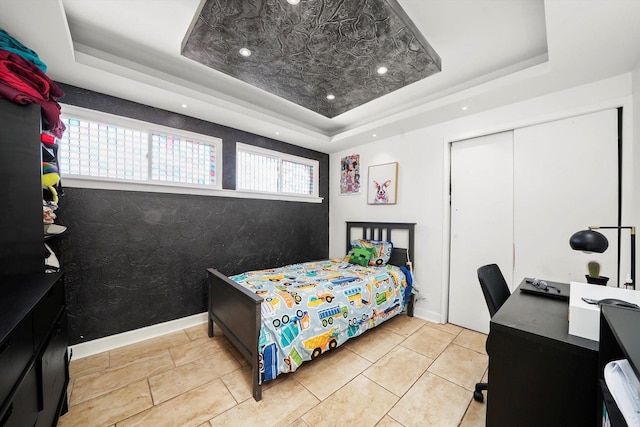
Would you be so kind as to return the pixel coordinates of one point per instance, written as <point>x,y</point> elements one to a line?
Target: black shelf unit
<point>619,339</point>
<point>21,228</point>
<point>34,368</point>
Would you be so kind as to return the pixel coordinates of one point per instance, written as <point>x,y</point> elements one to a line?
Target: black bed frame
<point>236,310</point>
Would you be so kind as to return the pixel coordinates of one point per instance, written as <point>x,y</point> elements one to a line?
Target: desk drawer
<point>46,312</point>
<point>15,352</point>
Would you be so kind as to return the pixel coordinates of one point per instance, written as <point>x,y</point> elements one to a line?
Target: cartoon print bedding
<point>313,307</point>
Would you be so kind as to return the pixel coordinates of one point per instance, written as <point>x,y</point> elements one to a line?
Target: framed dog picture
<point>383,184</point>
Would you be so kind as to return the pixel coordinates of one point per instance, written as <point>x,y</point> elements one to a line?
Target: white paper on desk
<point>625,389</point>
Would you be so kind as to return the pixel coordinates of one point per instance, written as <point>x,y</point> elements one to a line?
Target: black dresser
<point>33,352</point>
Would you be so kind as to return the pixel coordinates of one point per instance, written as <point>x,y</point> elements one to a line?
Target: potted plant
<point>594,274</point>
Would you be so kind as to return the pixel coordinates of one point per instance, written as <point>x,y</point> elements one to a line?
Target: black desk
<point>539,375</point>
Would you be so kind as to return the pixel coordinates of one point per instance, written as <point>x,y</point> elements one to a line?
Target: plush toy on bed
<point>360,256</point>
<point>379,251</point>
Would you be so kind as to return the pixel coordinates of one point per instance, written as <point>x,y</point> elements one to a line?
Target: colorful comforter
<point>313,307</point>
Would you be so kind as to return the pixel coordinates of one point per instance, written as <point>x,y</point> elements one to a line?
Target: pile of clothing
<point>23,81</point>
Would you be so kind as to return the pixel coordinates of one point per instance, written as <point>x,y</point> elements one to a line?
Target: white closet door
<point>481,222</point>
<point>565,179</point>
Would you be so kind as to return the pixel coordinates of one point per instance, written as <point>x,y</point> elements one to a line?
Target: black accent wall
<point>134,259</point>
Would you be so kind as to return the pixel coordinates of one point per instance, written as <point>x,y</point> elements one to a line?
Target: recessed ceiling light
<point>382,70</point>
<point>293,1</point>
<point>331,97</point>
<point>277,133</point>
<point>245,52</point>
<point>374,135</point>
<point>184,105</point>
<point>464,108</point>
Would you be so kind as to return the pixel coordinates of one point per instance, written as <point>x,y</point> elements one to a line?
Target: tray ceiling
<point>494,53</point>
<point>329,56</point>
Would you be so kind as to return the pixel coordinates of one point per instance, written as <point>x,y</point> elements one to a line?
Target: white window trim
<point>163,187</point>
<point>283,156</point>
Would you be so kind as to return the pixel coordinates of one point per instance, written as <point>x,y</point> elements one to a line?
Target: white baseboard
<point>426,315</point>
<point>100,345</point>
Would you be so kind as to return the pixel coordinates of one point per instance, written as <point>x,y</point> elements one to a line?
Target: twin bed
<point>278,318</point>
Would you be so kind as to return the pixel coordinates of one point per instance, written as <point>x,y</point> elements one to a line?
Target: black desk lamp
<point>593,241</point>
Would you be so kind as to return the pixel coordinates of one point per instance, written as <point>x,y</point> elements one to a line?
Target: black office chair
<point>496,292</point>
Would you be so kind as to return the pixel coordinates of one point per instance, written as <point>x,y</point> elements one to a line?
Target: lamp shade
<point>589,241</point>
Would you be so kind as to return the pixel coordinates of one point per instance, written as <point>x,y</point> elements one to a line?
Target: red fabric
<point>23,82</point>
<point>23,79</point>
<point>47,138</point>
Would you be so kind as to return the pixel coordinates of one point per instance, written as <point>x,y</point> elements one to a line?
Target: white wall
<point>423,175</point>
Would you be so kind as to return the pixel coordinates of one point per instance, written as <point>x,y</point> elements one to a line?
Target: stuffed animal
<point>50,178</point>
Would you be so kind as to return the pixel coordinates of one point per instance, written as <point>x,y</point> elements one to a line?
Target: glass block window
<point>175,159</point>
<point>297,178</point>
<point>106,147</point>
<point>257,172</point>
<point>263,170</point>
<point>97,149</point>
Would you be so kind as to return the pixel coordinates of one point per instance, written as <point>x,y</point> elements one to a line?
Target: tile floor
<point>406,372</point>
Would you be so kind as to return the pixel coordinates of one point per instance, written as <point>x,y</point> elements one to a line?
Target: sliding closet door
<point>565,179</point>
<point>481,222</point>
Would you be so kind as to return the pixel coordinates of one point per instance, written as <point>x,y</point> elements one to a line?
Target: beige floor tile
<point>239,383</point>
<point>109,408</point>
<point>176,381</point>
<point>475,416</point>
<point>403,324</point>
<point>197,349</point>
<point>233,351</point>
<point>460,365</point>
<point>115,389</point>
<point>351,405</point>
<point>428,341</point>
<point>446,327</point>
<point>192,408</point>
<point>432,401</point>
<point>329,372</point>
<point>70,387</point>
<point>98,383</point>
<point>472,340</point>
<point>298,423</point>
<point>281,404</point>
<point>126,354</point>
<point>88,364</point>
<point>198,332</point>
<point>398,370</point>
<point>374,343</point>
<point>387,421</point>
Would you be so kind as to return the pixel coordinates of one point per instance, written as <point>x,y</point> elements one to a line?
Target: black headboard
<point>383,231</point>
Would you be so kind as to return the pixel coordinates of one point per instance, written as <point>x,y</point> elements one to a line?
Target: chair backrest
<point>494,287</point>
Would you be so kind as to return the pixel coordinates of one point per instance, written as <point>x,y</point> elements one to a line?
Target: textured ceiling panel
<point>307,51</point>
